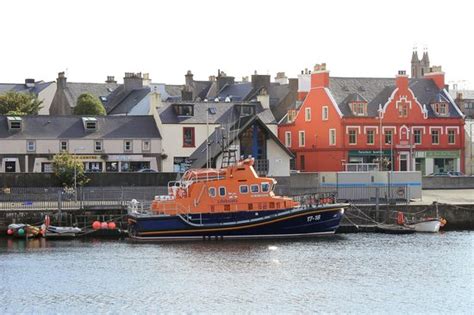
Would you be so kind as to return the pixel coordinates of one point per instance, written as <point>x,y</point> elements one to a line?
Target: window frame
<point>301,144</point>
<point>370,132</point>
<point>193,137</point>
<point>350,133</point>
<point>61,145</point>
<point>220,190</point>
<point>261,187</point>
<point>325,113</point>
<point>125,145</point>
<point>435,133</point>
<point>415,131</point>
<point>28,142</point>
<point>212,195</point>
<point>146,149</point>
<point>244,186</point>
<point>307,114</point>
<point>101,145</point>
<point>332,134</point>
<point>451,132</point>
<point>252,190</point>
<point>386,134</point>
<point>288,139</point>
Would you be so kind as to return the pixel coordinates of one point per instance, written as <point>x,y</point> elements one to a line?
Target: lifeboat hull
<point>288,223</point>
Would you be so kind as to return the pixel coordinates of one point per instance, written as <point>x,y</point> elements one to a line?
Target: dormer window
<point>246,110</point>
<point>184,110</point>
<point>291,115</point>
<point>359,108</point>
<point>14,123</point>
<point>90,123</point>
<point>440,109</point>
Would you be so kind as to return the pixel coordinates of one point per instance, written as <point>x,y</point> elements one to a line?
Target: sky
<point>91,39</point>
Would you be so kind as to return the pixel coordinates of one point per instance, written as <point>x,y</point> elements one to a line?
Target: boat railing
<point>315,199</point>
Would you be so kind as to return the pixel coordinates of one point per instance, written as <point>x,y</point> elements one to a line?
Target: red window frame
<point>192,144</point>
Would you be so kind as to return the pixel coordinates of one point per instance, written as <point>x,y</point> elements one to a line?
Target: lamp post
<point>75,170</point>
<point>380,110</point>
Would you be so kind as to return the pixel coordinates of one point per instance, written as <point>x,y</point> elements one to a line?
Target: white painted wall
<point>278,159</point>
<point>304,82</point>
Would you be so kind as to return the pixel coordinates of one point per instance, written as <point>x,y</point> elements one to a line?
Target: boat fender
<point>400,218</point>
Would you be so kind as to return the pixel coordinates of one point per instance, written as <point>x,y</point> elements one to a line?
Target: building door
<point>403,162</point>
<point>10,166</point>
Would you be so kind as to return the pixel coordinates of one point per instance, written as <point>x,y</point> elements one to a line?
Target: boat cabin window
<point>221,191</point>
<point>254,188</point>
<point>212,192</point>
<point>265,187</point>
<point>244,189</point>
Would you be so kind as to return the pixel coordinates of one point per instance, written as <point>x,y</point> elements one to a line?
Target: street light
<point>75,171</point>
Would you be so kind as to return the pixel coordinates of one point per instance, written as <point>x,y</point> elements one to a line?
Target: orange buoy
<point>96,225</point>
<point>104,226</point>
<point>400,218</point>
<point>112,225</point>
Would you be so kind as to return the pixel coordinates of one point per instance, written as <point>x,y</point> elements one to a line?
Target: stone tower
<point>419,67</point>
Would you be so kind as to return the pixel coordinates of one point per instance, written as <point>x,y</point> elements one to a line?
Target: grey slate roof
<point>21,87</point>
<point>231,132</point>
<point>68,127</point>
<point>75,89</point>
<point>225,112</point>
<point>128,102</point>
<point>237,91</point>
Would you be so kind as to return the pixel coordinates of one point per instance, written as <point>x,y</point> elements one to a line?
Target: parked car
<point>448,174</point>
<point>147,170</point>
<point>439,174</point>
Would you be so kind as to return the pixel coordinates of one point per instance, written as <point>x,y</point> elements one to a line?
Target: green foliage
<point>88,104</point>
<point>15,103</point>
<point>63,167</point>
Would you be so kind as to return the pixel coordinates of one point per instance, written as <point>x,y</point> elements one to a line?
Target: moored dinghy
<point>232,202</point>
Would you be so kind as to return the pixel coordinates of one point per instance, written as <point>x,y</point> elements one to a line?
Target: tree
<point>63,167</point>
<point>88,104</point>
<point>15,103</point>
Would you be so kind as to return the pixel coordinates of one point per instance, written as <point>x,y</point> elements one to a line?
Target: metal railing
<point>361,167</point>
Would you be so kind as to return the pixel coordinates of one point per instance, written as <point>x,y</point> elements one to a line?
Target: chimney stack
<point>320,76</point>
<point>264,98</point>
<point>401,80</point>
<point>110,79</point>
<point>61,80</point>
<point>281,78</point>
<point>437,75</point>
<point>30,83</point>
<point>132,81</point>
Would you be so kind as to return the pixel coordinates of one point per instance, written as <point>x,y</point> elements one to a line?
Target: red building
<point>407,124</point>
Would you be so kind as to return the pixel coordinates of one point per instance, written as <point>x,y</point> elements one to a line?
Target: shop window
<point>46,167</point>
<point>222,191</point>
<point>388,136</point>
<point>307,114</point>
<point>188,137</point>
<point>98,145</point>
<point>244,189</point>
<point>212,192</point>
<point>451,136</point>
<point>31,145</point>
<point>370,137</point>
<point>93,167</point>
<point>288,139</point>
<point>301,138</point>
<point>127,146</point>
<point>111,167</point>
<point>352,136</point>
<point>435,136</point>
<point>254,188</point>
<point>417,136</point>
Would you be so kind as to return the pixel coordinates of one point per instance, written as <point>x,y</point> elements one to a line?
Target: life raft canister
<point>400,218</point>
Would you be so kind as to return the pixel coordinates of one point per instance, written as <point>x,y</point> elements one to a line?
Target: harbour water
<point>351,273</point>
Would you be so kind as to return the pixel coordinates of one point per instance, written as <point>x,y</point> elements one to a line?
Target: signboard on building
<point>448,154</point>
<point>368,152</point>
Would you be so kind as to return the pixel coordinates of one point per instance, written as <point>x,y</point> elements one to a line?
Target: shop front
<point>371,157</point>
<point>436,162</point>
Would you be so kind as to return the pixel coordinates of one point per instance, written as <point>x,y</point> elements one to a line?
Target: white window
<point>301,138</point>
<point>417,136</point>
<point>332,136</point>
<point>352,136</point>
<point>146,145</point>
<point>30,145</point>
<point>435,137</point>
<point>288,139</point>
<point>127,146</point>
<point>244,189</point>
<point>325,113</point>
<point>307,114</point>
<point>370,137</point>
<point>98,145</point>
<point>63,145</point>
<point>451,136</point>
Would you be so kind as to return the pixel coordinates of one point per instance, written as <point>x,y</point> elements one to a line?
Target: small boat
<point>393,229</point>
<point>231,202</point>
<point>51,231</point>
<point>429,225</point>
<point>21,230</point>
